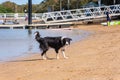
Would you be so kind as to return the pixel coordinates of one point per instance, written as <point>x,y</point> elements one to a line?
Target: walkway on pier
<point>80,14</point>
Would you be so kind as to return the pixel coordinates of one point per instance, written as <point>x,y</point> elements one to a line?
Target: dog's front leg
<point>43,55</point>
<point>63,52</point>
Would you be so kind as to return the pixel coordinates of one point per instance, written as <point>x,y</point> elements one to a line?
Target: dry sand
<point>95,58</point>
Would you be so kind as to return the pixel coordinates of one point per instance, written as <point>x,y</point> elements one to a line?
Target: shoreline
<point>23,50</point>
<point>96,57</point>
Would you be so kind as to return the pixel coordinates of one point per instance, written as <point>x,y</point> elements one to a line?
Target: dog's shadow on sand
<point>30,60</point>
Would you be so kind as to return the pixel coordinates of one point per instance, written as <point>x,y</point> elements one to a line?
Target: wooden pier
<point>11,26</point>
<point>51,25</point>
<point>36,26</point>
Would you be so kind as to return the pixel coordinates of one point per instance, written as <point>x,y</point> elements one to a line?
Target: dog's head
<point>66,41</point>
<point>37,33</point>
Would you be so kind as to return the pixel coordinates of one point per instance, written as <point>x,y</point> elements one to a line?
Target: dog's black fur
<point>53,42</point>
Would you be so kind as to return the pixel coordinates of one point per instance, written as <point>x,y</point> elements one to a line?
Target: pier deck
<point>35,26</point>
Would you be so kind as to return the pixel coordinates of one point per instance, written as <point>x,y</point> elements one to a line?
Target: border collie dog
<point>56,43</point>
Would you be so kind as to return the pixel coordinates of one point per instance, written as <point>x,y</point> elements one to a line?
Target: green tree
<point>10,6</point>
<point>4,9</point>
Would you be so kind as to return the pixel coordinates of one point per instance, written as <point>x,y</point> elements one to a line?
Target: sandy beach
<point>95,58</point>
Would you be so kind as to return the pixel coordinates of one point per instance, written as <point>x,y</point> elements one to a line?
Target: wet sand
<point>95,58</point>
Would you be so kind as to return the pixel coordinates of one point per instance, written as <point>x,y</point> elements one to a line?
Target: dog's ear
<point>70,39</point>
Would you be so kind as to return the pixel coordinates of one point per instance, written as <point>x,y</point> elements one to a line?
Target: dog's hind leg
<point>45,49</point>
<point>57,56</point>
<point>63,52</point>
<point>46,56</point>
<point>43,54</point>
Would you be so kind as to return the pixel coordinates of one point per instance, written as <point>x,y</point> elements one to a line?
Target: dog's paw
<point>57,58</point>
<point>44,58</point>
<point>66,57</point>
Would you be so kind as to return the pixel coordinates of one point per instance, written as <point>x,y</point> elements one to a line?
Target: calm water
<point>19,42</point>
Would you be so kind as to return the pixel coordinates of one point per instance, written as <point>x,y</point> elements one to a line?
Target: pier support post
<point>59,26</point>
<point>29,11</point>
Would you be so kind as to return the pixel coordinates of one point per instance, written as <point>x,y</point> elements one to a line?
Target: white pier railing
<point>80,14</point>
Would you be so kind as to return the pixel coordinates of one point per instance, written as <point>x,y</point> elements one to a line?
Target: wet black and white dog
<point>56,43</point>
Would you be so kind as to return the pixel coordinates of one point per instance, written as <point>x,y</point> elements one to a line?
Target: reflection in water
<point>30,39</point>
<point>19,42</point>
<point>29,32</point>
